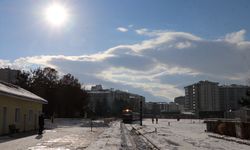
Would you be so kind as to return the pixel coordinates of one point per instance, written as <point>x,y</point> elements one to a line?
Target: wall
<point>25,106</point>
<point>230,96</point>
<point>209,96</point>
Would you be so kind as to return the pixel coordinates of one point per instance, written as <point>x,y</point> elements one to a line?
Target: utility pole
<point>141,112</point>
<point>91,124</point>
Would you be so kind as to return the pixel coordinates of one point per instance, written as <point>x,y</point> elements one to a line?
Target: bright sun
<point>56,14</point>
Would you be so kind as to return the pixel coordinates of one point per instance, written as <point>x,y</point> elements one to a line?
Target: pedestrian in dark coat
<point>41,124</point>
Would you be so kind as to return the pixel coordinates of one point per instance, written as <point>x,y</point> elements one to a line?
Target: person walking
<point>152,120</point>
<point>156,120</point>
<point>41,124</point>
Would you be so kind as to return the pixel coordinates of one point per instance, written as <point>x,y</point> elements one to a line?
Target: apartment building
<point>202,96</point>
<point>230,95</point>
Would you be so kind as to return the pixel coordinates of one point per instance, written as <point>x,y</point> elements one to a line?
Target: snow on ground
<point>110,139</point>
<point>184,135</point>
<point>76,134</point>
<point>64,134</point>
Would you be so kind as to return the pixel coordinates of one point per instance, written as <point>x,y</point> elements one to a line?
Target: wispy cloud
<point>122,29</point>
<point>131,26</point>
<point>158,67</point>
<point>142,31</point>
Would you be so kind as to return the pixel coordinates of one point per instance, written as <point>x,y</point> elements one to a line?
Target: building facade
<point>202,96</point>
<point>174,107</point>
<point>98,94</point>
<point>230,95</point>
<point>191,98</point>
<point>209,96</point>
<point>180,100</point>
<point>206,96</point>
<point>18,107</point>
<point>163,107</point>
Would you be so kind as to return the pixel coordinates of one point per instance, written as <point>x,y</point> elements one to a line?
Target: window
<point>30,115</point>
<point>17,115</point>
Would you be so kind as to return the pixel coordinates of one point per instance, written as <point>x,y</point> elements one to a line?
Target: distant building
<point>156,107</point>
<point>148,107</point>
<point>202,96</point>
<point>190,98</point>
<point>99,96</point>
<point>173,107</point>
<point>163,107</point>
<point>230,96</point>
<point>209,96</point>
<point>19,108</point>
<point>96,88</point>
<point>206,97</point>
<point>8,75</point>
<point>180,100</point>
<point>132,98</point>
<point>109,96</point>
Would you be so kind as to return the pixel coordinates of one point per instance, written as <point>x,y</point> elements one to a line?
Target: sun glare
<point>56,14</point>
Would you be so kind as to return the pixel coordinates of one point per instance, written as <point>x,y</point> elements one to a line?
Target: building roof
<point>202,82</point>
<point>234,86</point>
<point>11,90</point>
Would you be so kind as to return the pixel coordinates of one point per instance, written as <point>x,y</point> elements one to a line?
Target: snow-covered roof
<point>16,91</point>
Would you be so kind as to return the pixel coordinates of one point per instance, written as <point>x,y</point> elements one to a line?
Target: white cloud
<point>236,37</point>
<point>158,67</point>
<point>4,63</point>
<point>122,29</point>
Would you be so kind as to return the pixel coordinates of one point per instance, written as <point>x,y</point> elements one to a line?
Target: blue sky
<point>91,35</point>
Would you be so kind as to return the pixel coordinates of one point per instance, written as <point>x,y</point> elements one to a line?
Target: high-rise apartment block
<point>202,96</point>
<point>230,95</point>
<point>206,96</point>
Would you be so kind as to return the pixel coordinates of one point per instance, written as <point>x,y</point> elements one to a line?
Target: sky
<point>152,48</point>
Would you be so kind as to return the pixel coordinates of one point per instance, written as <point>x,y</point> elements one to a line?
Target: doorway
<point>24,122</point>
<point>4,120</point>
<point>35,122</point>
